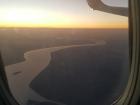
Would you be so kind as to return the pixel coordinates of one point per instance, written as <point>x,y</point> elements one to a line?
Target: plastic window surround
<point>132,92</point>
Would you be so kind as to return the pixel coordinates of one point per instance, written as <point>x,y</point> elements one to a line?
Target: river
<point>21,74</point>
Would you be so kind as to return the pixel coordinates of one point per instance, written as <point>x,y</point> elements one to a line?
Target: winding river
<point>21,74</point>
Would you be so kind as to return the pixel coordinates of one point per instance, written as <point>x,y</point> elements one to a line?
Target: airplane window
<point>65,52</point>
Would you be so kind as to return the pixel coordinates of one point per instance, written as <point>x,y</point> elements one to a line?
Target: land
<point>80,76</point>
<point>17,41</point>
<point>74,76</point>
<point>35,62</point>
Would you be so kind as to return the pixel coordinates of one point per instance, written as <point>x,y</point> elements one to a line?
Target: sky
<point>59,14</point>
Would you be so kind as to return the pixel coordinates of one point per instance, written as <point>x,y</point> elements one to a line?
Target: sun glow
<point>23,16</point>
<point>31,17</point>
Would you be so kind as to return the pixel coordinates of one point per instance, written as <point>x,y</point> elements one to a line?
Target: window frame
<point>132,91</point>
<point>131,94</point>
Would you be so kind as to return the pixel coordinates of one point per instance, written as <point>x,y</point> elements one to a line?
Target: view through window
<point>65,52</point>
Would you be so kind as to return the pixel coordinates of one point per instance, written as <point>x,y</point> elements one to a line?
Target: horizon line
<point>64,27</point>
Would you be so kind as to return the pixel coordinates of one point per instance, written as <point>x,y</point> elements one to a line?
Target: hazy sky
<point>58,13</point>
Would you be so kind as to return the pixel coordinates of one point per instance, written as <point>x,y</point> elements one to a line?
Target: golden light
<point>21,15</point>
<point>26,17</point>
<point>36,17</point>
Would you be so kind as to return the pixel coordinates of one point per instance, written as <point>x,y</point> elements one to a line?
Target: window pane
<point>65,52</point>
